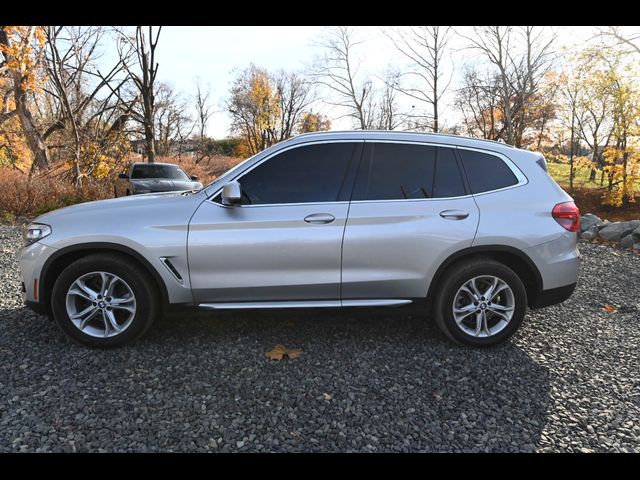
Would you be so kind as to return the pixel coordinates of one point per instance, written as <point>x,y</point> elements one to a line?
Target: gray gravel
<point>569,381</point>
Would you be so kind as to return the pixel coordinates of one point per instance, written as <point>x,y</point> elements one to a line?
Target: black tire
<point>456,276</point>
<point>143,286</point>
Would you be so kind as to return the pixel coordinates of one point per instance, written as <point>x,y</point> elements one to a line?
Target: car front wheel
<point>481,303</point>
<point>104,301</point>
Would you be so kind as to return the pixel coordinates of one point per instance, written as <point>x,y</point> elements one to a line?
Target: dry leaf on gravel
<point>609,308</point>
<point>327,396</point>
<point>280,351</point>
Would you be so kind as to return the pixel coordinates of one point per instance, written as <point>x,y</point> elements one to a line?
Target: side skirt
<point>385,302</point>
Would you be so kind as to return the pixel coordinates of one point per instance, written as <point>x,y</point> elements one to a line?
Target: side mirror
<point>194,177</point>
<point>124,176</point>
<point>231,193</point>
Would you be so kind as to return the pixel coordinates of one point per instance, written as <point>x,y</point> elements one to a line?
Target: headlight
<point>35,232</point>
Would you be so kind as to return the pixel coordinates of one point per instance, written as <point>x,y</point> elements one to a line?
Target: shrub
<point>25,196</point>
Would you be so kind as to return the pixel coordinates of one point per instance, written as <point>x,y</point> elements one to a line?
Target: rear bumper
<point>553,296</point>
<point>557,261</point>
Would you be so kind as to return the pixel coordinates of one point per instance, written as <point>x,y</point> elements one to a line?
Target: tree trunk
<point>435,93</point>
<point>34,138</point>
<point>572,152</point>
<point>592,175</point>
<point>150,143</point>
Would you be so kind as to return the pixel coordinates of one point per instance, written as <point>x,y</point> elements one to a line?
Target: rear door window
<point>396,171</point>
<point>402,171</point>
<point>448,180</point>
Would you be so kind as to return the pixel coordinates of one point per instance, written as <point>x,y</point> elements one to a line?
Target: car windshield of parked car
<point>158,171</point>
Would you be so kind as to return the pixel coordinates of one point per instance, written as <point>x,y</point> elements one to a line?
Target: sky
<point>212,54</point>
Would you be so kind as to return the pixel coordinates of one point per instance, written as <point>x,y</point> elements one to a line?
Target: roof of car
<point>155,163</point>
<point>403,135</point>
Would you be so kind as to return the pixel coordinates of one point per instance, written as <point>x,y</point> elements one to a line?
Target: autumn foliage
<point>23,195</point>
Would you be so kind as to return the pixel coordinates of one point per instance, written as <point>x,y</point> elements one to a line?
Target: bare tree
<point>338,71</point>
<point>385,111</point>
<point>478,100</point>
<point>294,95</point>
<point>520,57</point>
<point>631,42</point>
<point>204,111</point>
<point>142,71</point>
<point>77,89</point>
<point>171,119</point>
<point>425,47</point>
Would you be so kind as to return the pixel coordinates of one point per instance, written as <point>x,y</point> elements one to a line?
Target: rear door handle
<point>318,218</point>
<point>454,214</point>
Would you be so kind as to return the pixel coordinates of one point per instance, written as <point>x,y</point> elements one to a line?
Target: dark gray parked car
<point>154,177</point>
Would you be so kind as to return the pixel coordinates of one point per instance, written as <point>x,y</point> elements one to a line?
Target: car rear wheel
<point>104,301</point>
<point>481,303</point>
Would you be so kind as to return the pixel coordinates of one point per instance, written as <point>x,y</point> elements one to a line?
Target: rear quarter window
<point>486,172</point>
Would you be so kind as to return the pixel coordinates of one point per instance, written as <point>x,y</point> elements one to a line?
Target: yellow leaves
<point>22,52</point>
<point>313,122</point>
<point>280,351</point>
<point>102,170</point>
<point>609,308</point>
<point>622,167</point>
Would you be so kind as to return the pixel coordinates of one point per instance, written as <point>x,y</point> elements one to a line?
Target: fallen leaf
<point>327,396</point>
<point>280,351</point>
<point>616,254</point>
<point>609,308</point>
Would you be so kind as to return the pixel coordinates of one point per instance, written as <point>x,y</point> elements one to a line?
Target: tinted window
<point>396,171</point>
<point>313,173</point>
<point>158,171</point>
<point>486,172</point>
<point>448,182</point>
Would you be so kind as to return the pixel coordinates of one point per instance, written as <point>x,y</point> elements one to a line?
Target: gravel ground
<point>375,381</point>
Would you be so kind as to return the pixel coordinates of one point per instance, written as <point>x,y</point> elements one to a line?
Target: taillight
<point>567,215</point>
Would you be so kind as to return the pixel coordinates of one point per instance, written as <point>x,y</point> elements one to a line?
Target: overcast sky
<point>212,54</point>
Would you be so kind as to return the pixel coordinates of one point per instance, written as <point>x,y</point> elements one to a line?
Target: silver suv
<point>473,230</point>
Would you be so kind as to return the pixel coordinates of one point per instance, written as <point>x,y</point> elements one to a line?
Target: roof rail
<point>402,132</point>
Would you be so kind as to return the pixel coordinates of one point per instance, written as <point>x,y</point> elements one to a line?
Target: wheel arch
<point>513,258</point>
<point>62,258</point>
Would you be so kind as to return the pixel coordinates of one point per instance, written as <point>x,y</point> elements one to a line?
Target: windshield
<point>159,171</point>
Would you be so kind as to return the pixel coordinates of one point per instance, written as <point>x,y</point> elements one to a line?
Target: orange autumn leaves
<point>280,351</point>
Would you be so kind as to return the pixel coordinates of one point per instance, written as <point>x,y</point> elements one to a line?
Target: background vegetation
<point>70,120</point>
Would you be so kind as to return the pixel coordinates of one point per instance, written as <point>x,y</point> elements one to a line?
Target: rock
<point>636,246</point>
<point>636,232</point>
<point>627,241</point>
<point>589,220</point>
<point>616,230</point>
<point>590,233</point>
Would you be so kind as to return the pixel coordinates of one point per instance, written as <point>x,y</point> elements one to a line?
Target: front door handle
<point>318,218</point>
<point>454,214</point>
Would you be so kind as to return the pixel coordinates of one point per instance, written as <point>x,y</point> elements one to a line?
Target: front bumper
<point>32,259</point>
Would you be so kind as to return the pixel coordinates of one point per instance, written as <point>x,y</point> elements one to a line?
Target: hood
<point>133,202</point>
<point>166,184</point>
